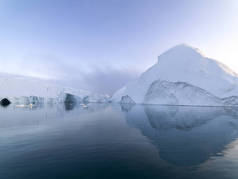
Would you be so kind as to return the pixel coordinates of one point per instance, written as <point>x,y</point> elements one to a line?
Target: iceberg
<point>183,76</point>
<point>24,91</point>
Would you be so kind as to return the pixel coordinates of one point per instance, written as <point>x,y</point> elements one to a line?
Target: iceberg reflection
<point>186,135</point>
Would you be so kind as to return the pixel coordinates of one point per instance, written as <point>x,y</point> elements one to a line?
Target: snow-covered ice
<point>207,80</point>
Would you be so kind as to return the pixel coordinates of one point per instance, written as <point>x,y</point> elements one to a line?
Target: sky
<point>101,45</point>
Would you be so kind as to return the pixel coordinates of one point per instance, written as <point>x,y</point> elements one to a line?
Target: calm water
<point>113,141</point>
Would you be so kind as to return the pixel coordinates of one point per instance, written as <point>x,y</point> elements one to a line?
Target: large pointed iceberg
<point>205,81</point>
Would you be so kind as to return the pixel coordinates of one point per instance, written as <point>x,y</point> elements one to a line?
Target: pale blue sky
<point>93,43</point>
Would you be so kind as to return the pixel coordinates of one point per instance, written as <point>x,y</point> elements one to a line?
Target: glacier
<point>23,90</point>
<point>183,76</point>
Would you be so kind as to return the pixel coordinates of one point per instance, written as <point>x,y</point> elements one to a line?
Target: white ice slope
<point>184,64</point>
<point>179,93</point>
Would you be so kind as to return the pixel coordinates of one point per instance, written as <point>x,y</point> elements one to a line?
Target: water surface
<point>113,141</point>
